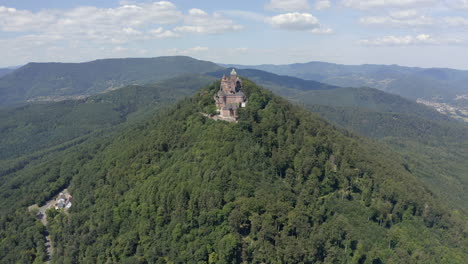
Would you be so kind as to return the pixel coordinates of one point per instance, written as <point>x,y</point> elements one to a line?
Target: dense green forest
<point>435,151</point>
<point>34,127</point>
<point>434,146</point>
<point>368,98</point>
<point>53,81</point>
<point>279,186</point>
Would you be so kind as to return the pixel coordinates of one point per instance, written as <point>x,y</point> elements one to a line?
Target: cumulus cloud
<point>120,49</point>
<point>322,4</point>
<point>455,21</point>
<point>403,14</point>
<point>367,4</point>
<point>288,5</point>
<point>458,4</point>
<point>14,20</point>
<point>406,18</point>
<point>298,22</point>
<point>199,22</point>
<point>398,40</point>
<point>322,31</point>
<point>92,32</point>
<point>189,51</point>
<point>161,33</point>
<point>122,24</point>
<point>421,39</point>
<point>295,21</point>
<point>238,50</point>
<point>103,25</point>
<point>398,19</point>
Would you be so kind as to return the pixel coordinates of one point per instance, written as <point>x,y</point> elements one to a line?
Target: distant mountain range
<point>443,89</point>
<point>5,71</point>
<point>58,81</point>
<point>410,82</point>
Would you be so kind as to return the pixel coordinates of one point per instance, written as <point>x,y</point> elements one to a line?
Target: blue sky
<point>426,33</point>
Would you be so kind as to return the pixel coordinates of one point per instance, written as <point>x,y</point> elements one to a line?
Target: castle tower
<point>230,98</point>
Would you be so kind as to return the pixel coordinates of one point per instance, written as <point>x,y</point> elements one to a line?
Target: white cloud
<point>14,20</point>
<point>197,49</point>
<point>119,49</point>
<point>102,25</point>
<point>288,5</point>
<point>398,19</point>
<point>160,33</point>
<point>322,4</point>
<point>200,22</point>
<point>197,12</point>
<point>125,23</point>
<point>295,21</point>
<point>421,39</point>
<point>322,31</point>
<point>458,4</point>
<point>397,40</point>
<point>403,14</point>
<point>88,32</point>
<point>455,21</point>
<point>367,4</point>
<point>406,18</point>
<point>189,51</point>
<point>239,50</point>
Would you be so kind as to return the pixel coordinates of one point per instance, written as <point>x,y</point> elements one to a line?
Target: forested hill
<point>58,81</point>
<point>38,126</point>
<point>279,186</point>
<point>368,98</point>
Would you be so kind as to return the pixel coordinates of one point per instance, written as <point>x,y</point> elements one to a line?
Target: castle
<point>230,98</point>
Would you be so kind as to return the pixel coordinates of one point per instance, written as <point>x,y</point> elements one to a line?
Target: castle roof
<point>233,72</point>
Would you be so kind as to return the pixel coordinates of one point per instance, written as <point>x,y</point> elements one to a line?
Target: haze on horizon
<point>424,33</point>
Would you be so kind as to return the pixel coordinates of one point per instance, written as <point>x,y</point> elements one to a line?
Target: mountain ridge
<point>49,81</point>
<point>405,81</point>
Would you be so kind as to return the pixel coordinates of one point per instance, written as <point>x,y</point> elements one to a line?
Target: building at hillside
<point>230,97</point>
<point>63,201</point>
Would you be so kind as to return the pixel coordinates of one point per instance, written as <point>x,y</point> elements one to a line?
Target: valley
<point>459,112</point>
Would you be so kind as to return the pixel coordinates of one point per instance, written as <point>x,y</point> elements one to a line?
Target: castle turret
<point>230,97</point>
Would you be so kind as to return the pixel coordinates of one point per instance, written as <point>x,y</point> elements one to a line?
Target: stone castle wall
<point>229,97</point>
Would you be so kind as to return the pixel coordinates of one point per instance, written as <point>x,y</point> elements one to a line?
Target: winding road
<point>41,215</point>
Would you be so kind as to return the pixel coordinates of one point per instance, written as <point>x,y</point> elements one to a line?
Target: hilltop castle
<point>230,98</point>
